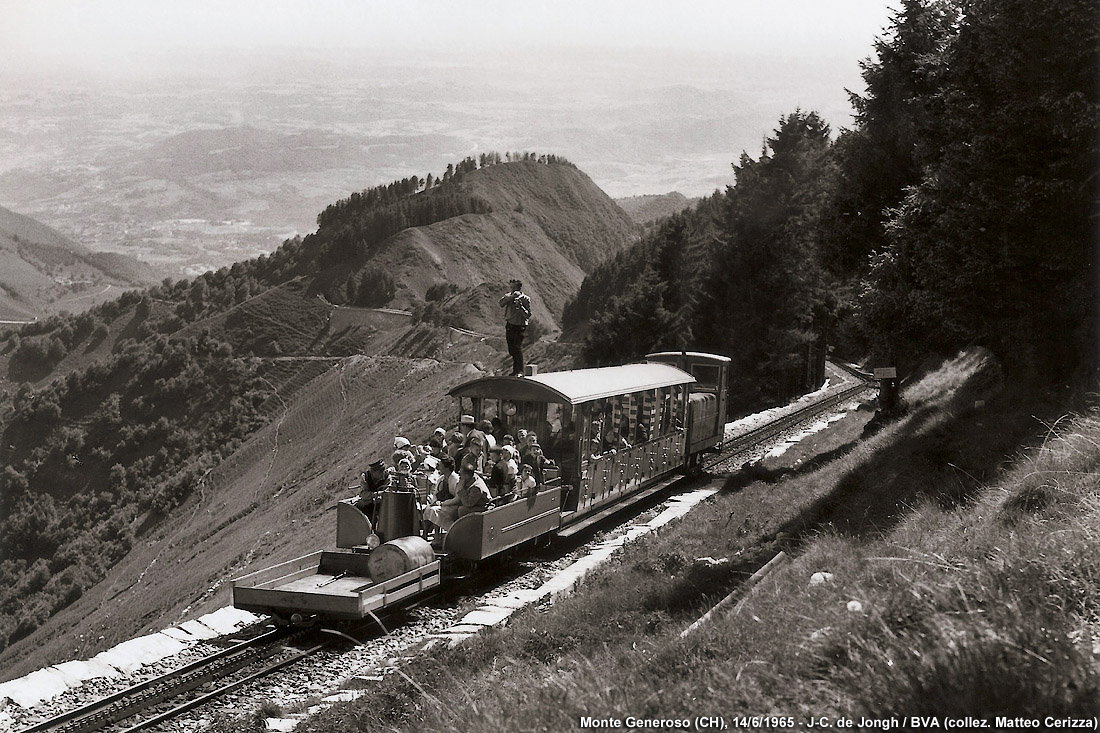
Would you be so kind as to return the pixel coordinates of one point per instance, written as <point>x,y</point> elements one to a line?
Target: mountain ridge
<point>42,271</point>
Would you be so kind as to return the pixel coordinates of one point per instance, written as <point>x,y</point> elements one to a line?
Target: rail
<point>133,700</point>
<point>764,432</point>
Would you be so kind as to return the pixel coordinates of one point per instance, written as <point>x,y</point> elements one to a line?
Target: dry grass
<point>977,590</point>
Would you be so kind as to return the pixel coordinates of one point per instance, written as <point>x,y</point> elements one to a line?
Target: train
<point>615,434</point>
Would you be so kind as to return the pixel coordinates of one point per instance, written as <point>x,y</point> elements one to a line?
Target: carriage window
<point>646,416</point>
<point>584,433</point>
<point>706,376</point>
<point>664,409</point>
<point>601,426</point>
<point>678,406</point>
<point>552,432</point>
<point>622,419</point>
<point>489,409</point>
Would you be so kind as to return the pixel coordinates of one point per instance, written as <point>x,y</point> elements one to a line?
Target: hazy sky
<point>645,95</point>
<point>99,31</point>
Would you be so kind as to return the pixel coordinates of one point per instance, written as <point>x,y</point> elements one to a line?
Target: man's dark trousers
<point>514,335</point>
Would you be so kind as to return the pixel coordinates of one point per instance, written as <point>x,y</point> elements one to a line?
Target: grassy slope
<point>267,502</point>
<point>654,207</point>
<point>43,272</point>
<point>549,225</point>
<point>270,501</point>
<point>976,577</point>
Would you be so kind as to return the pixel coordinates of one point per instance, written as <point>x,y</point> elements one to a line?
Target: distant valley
<point>191,174</point>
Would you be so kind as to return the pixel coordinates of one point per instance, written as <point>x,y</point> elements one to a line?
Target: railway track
<point>171,695</point>
<point>177,693</point>
<point>137,699</point>
<point>739,444</point>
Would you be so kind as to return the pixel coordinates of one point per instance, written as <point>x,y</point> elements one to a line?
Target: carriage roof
<point>693,354</point>
<point>576,386</point>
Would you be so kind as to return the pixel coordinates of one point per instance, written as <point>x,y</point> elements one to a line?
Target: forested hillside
<point>114,419</point>
<point>648,209</point>
<point>960,208</point>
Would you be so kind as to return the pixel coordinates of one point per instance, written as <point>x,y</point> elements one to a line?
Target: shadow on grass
<point>943,453</point>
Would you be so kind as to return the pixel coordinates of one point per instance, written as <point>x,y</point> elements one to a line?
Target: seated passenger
<point>543,460</point>
<point>473,494</point>
<point>503,477</point>
<point>595,449</point>
<point>624,444</point>
<point>526,486</point>
<point>534,456</point>
<point>472,453</point>
<point>454,446</point>
<point>446,480</point>
<point>438,442</point>
<point>374,481</point>
<point>402,445</point>
<point>402,476</point>
<point>465,426</point>
<point>443,510</point>
<point>443,513</point>
<point>486,429</point>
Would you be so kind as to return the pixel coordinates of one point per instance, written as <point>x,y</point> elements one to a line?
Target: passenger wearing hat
<point>465,425</point>
<point>415,453</point>
<point>475,431</point>
<point>374,481</point>
<point>438,442</point>
<point>472,453</point>
<point>517,314</point>
<point>402,477</point>
<point>376,478</point>
<point>398,455</point>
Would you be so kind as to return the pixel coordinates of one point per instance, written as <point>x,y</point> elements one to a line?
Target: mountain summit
<point>545,223</point>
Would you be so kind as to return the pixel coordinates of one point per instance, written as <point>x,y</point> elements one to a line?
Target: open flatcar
<point>615,435</point>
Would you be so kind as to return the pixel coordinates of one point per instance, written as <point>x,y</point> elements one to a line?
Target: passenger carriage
<point>613,431</point>
<point>709,400</point>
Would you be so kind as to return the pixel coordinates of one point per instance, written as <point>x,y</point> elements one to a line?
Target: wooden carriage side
<point>612,430</point>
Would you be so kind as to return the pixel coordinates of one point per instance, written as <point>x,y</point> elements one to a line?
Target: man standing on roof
<point>517,313</point>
